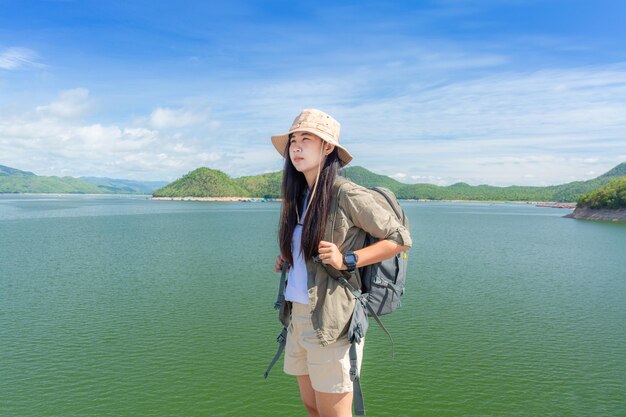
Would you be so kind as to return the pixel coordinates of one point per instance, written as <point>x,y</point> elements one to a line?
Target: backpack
<point>382,286</point>
<point>383,283</point>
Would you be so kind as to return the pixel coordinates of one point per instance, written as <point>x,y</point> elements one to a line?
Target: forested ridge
<point>206,182</point>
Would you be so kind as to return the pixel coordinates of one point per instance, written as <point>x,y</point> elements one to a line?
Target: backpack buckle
<point>282,337</point>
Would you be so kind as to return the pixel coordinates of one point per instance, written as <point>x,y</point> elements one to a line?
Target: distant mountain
<point>117,186</point>
<point>13,180</point>
<point>16,181</point>
<point>268,185</point>
<point>4,170</point>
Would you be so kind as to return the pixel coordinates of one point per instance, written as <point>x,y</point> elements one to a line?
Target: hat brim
<point>280,143</point>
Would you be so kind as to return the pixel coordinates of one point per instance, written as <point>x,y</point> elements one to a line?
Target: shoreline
<point>75,194</point>
<point>551,204</point>
<point>586,213</point>
<point>216,199</point>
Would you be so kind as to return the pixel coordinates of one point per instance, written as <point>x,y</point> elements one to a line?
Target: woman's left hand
<point>330,255</point>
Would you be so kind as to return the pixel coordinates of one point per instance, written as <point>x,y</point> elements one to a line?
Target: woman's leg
<point>334,405</point>
<point>307,393</point>
<point>323,404</point>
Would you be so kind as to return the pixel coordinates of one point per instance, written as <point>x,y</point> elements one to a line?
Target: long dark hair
<point>293,188</point>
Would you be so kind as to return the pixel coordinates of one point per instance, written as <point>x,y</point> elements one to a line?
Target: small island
<point>606,203</point>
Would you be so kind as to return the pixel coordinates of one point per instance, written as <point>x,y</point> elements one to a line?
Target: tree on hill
<point>264,185</point>
<point>611,196</point>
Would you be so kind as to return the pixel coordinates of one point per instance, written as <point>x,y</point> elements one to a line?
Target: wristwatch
<point>350,259</point>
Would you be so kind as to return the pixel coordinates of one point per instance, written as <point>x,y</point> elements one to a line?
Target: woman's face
<point>305,151</point>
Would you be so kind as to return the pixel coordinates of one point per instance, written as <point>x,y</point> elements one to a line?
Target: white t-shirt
<point>297,288</point>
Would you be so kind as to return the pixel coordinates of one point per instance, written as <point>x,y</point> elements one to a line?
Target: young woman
<point>318,309</point>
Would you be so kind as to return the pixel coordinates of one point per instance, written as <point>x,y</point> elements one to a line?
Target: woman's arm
<point>366,214</point>
<point>379,251</point>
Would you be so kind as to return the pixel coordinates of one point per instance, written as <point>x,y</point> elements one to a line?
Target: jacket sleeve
<point>365,213</point>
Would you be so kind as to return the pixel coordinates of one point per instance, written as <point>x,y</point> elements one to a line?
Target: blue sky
<point>485,92</point>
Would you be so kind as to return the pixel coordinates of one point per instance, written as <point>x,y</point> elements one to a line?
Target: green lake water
<point>121,306</point>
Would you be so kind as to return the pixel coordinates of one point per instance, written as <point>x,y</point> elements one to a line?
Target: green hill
<point>264,185</point>
<point>367,178</point>
<point>206,182</point>
<point>611,196</point>
<point>479,192</point>
<point>571,191</point>
<point>461,191</point>
<point>203,182</point>
<point>16,181</point>
<point>458,191</point>
<point>13,180</point>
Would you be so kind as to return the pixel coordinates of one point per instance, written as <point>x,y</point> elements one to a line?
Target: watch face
<point>350,260</point>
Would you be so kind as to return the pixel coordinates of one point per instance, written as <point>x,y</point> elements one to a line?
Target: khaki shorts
<point>327,366</point>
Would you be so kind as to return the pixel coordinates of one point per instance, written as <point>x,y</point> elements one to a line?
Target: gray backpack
<point>383,283</point>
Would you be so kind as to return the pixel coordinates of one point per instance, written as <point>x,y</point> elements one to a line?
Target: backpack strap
<point>360,298</point>
<point>281,339</point>
<point>334,205</point>
<point>281,286</point>
<point>357,393</point>
<point>361,302</point>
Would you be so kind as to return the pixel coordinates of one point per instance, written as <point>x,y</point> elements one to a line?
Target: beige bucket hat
<point>320,124</point>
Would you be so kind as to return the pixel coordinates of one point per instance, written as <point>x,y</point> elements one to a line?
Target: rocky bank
<point>586,213</point>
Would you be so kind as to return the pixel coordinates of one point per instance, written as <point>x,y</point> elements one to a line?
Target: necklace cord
<point>319,170</point>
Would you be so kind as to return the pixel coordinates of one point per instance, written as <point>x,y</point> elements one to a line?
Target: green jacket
<point>357,214</point>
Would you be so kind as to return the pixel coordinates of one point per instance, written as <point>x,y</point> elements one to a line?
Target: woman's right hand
<point>279,262</point>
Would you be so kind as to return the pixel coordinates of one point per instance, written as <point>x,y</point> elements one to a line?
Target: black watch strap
<point>350,259</point>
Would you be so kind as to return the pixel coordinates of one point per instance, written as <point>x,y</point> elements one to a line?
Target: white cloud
<point>15,58</point>
<point>70,104</point>
<point>52,140</point>
<point>163,117</point>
